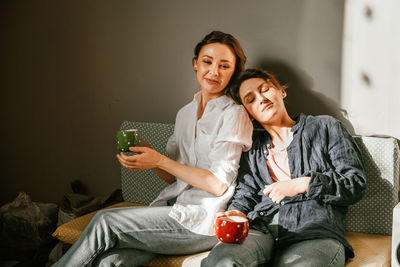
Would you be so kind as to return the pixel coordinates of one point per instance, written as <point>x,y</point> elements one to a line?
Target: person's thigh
<point>152,229</point>
<point>123,257</point>
<point>254,251</point>
<point>311,253</point>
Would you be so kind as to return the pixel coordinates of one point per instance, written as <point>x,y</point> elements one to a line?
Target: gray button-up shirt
<point>322,149</point>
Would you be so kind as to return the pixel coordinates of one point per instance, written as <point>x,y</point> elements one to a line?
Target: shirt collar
<point>300,120</point>
<point>220,102</point>
<point>263,137</point>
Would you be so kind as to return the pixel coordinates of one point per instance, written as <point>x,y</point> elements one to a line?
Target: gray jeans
<point>132,237</point>
<point>258,250</point>
<point>258,247</point>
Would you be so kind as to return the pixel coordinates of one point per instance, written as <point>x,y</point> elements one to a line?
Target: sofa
<point>368,223</point>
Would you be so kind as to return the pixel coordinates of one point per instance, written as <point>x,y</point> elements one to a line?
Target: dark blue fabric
<point>325,151</point>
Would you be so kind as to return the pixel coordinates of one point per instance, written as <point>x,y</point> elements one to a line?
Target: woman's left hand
<point>278,190</point>
<point>146,158</point>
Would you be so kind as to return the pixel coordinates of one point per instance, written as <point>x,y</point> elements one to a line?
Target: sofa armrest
<point>396,236</point>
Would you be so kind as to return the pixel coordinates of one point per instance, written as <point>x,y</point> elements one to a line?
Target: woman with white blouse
<point>204,152</point>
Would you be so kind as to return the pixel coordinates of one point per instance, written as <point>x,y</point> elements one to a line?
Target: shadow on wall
<point>301,99</point>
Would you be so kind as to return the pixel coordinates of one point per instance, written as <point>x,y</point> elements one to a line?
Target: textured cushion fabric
<point>370,250</point>
<point>144,186</point>
<point>70,231</point>
<point>373,214</point>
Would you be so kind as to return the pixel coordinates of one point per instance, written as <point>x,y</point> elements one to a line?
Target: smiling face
<point>215,66</point>
<point>262,100</point>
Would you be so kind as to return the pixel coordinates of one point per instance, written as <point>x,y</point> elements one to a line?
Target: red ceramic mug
<point>231,229</point>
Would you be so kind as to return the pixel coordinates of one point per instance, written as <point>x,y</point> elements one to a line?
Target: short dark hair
<point>250,74</point>
<point>233,43</point>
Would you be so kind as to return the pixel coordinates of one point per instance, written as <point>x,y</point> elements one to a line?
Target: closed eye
<point>264,89</point>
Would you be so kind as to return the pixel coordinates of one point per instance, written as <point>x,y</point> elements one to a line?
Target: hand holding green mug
<point>128,138</point>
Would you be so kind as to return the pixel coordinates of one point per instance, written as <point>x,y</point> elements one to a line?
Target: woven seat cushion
<point>370,250</point>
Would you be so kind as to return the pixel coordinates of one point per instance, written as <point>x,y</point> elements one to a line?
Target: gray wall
<point>71,71</point>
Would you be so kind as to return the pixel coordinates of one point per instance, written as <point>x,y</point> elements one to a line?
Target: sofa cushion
<point>144,186</point>
<point>369,249</point>
<point>373,214</point>
<point>70,231</point>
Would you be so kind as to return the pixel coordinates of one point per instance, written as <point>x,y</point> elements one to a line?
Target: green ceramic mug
<point>128,138</point>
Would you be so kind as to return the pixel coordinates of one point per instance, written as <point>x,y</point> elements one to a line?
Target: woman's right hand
<point>230,213</point>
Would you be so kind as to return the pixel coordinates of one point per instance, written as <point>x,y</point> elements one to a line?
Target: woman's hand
<point>146,158</point>
<point>145,144</point>
<point>230,213</point>
<point>278,190</point>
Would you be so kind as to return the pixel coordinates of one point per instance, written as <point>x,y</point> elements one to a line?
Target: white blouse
<point>214,142</point>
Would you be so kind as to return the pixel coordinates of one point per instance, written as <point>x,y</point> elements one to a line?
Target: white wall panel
<point>371,66</point>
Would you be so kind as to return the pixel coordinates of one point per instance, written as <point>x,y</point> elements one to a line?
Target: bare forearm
<point>169,178</point>
<point>147,158</point>
<point>302,184</point>
<point>197,177</point>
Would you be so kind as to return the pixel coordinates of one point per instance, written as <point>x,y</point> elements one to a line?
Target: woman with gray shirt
<point>294,185</point>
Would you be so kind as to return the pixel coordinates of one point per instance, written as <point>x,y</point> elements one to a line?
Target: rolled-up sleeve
<point>233,138</point>
<point>172,147</point>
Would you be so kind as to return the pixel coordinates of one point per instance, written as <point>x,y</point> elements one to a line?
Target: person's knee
<point>221,255</point>
<point>102,217</point>
<point>254,251</point>
<point>223,260</point>
<point>102,223</point>
<point>313,253</point>
<point>123,257</point>
<point>107,261</point>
